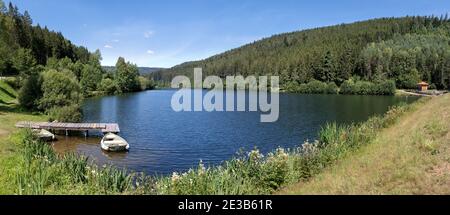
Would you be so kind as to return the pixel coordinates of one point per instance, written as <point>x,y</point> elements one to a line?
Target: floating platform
<point>57,126</point>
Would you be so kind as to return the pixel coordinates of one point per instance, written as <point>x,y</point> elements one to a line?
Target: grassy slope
<point>9,115</point>
<point>411,157</point>
<point>7,93</point>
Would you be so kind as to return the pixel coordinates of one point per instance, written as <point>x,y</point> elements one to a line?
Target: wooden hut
<point>422,86</point>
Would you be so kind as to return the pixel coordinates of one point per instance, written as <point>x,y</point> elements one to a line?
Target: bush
<point>332,88</point>
<point>315,87</point>
<point>386,88</point>
<point>70,113</point>
<point>108,86</point>
<point>30,92</point>
<point>347,87</point>
<point>145,83</point>
<point>351,87</point>
<point>365,88</point>
<point>291,87</point>
<point>59,89</point>
<point>62,96</point>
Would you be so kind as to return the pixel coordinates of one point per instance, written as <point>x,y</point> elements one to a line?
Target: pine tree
<point>326,72</point>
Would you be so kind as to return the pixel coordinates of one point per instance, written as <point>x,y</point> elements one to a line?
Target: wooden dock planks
<point>103,127</point>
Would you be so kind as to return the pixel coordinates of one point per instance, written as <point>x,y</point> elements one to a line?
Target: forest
<point>52,74</point>
<point>373,54</point>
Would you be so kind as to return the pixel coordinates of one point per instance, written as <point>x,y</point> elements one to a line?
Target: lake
<point>163,141</point>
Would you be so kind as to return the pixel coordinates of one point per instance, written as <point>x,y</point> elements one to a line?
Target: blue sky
<point>166,33</point>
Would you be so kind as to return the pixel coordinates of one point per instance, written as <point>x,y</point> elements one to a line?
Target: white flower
<point>255,155</point>
<point>175,177</point>
<point>201,168</point>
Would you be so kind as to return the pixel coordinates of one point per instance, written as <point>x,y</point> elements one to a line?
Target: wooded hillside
<point>405,50</point>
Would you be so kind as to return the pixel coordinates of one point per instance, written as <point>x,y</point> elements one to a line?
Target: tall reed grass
<point>43,171</point>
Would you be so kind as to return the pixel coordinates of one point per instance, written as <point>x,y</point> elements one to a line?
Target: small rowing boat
<point>44,135</point>
<point>114,143</point>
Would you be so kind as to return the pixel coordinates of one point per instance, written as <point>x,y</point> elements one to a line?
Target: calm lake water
<point>163,141</point>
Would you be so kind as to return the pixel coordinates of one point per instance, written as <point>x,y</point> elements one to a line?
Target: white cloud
<point>108,46</point>
<point>150,52</point>
<point>148,34</point>
<point>115,41</point>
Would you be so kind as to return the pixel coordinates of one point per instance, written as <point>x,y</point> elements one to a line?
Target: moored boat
<point>114,143</point>
<point>44,135</point>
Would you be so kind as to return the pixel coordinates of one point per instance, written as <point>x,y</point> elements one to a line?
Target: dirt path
<point>3,132</point>
<point>404,92</point>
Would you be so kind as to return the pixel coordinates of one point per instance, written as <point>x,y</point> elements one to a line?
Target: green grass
<point>7,93</point>
<point>10,113</point>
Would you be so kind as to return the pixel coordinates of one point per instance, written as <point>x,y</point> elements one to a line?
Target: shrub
<point>347,87</point>
<point>291,87</point>
<point>62,96</point>
<point>30,92</point>
<point>146,84</point>
<point>332,88</point>
<point>351,87</point>
<point>386,88</point>
<point>59,89</point>
<point>364,88</point>
<point>108,86</point>
<point>316,87</point>
<point>69,113</point>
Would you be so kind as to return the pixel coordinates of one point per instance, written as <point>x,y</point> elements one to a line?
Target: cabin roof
<point>423,84</point>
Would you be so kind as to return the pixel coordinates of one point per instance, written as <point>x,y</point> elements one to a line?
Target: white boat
<point>44,135</point>
<point>114,143</point>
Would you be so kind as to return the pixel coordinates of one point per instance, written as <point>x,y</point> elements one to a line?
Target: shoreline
<point>405,92</point>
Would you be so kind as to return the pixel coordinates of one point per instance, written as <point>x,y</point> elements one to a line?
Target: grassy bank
<point>410,157</point>
<point>7,93</point>
<point>10,113</point>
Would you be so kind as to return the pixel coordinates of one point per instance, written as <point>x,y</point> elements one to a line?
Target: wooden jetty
<point>57,126</point>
